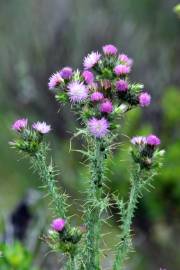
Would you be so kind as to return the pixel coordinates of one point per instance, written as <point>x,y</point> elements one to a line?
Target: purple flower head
<point>153,140</point>
<point>66,73</point>
<point>125,60</point>
<point>109,49</point>
<point>41,127</point>
<point>88,76</point>
<point>144,99</point>
<point>106,106</point>
<point>91,60</point>
<point>98,127</point>
<point>58,224</point>
<point>122,70</point>
<point>140,140</point>
<point>122,85</point>
<point>77,91</point>
<point>97,96</point>
<point>20,124</point>
<point>55,80</point>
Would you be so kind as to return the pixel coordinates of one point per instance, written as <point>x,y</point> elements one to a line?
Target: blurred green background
<point>39,37</point>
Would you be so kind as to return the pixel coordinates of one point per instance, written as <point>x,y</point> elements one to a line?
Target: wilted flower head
<point>98,127</point>
<point>93,86</point>
<point>20,124</point>
<point>91,60</point>
<point>122,85</point>
<point>55,80</point>
<point>41,127</point>
<point>153,140</point>
<point>58,224</point>
<point>122,70</point>
<point>125,60</point>
<point>144,99</point>
<point>97,96</point>
<point>88,76</point>
<point>106,84</point>
<point>106,106</point>
<point>66,73</point>
<point>109,49</point>
<point>138,140</point>
<point>77,91</point>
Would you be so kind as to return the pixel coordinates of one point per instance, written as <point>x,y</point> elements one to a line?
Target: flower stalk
<point>95,206</point>
<point>125,244</point>
<point>59,205</point>
<point>47,175</point>
<point>71,263</point>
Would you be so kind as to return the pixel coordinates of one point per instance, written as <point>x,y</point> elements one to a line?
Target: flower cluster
<point>146,150</point>
<point>100,89</point>
<point>29,139</point>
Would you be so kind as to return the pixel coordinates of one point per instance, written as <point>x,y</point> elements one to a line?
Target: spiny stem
<point>125,244</point>
<point>71,263</point>
<point>58,199</point>
<point>47,174</point>
<point>93,208</point>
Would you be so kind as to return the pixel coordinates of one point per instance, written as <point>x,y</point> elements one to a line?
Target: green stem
<point>125,244</point>
<point>58,199</point>
<point>93,208</point>
<point>47,174</point>
<point>71,263</point>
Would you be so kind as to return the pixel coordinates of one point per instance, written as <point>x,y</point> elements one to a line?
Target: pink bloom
<point>106,106</point>
<point>20,124</point>
<point>122,70</point>
<point>77,91</point>
<point>138,140</point>
<point>91,60</point>
<point>109,49</point>
<point>122,85</point>
<point>58,224</point>
<point>55,80</point>
<point>98,127</point>
<point>123,57</point>
<point>125,60</point>
<point>66,73</point>
<point>144,99</point>
<point>153,140</point>
<point>41,127</point>
<point>97,96</point>
<point>88,76</point>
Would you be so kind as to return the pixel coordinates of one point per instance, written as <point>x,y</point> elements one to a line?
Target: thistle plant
<point>100,96</point>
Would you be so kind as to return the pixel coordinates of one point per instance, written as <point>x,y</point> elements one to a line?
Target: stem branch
<point>47,174</point>
<point>125,244</point>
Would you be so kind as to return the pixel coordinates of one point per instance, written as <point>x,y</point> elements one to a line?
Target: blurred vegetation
<point>177,10</point>
<point>39,37</point>
<point>15,257</point>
